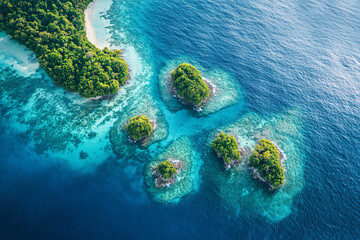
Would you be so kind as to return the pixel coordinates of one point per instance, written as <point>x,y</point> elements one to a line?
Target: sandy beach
<point>89,27</point>
<point>17,56</point>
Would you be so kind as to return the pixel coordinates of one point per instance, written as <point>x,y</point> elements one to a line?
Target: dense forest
<point>139,127</point>
<point>166,169</point>
<point>55,31</point>
<point>189,83</point>
<point>227,147</point>
<point>266,158</point>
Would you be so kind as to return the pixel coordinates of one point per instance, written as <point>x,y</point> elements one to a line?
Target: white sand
<point>89,26</point>
<point>17,56</point>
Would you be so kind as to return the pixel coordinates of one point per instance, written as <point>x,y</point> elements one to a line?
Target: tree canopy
<point>227,147</point>
<point>266,158</point>
<point>166,169</point>
<point>189,83</point>
<point>54,30</point>
<point>139,127</point>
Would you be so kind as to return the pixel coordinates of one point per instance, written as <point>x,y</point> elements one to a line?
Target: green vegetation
<point>189,84</point>
<point>227,147</point>
<point>139,127</point>
<point>54,30</point>
<point>166,169</point>
<point>266,159</point>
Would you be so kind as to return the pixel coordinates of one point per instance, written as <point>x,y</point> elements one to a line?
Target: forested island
<point>226,147</point>
<point>164,183</point>
<point>265,164</point>
<point>54,31</point>
<point>188,85</point>
<point>139,128</point>
<point>166,172</point>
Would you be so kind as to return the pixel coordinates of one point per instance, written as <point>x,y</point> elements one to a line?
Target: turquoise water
<point>286,71</point>
<point>237,188</point>
<point>187,179</point>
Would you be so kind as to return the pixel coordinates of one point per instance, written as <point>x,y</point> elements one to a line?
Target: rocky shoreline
<point>162,182</point>
<point>256,174</point>
<point>227,166</point>
<point>196,107</point>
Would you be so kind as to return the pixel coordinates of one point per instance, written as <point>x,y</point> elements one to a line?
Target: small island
<point>166,172</point>
<point>265,164</point>
<point>188,85</point>
<point>166,185</point>
<point>227,148</point>
<point>139,128</point>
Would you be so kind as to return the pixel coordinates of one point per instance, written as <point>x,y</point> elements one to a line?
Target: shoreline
<point>17,56</point>
<point>233,162</point>
<point>92,38</point>
<point>89,27</point>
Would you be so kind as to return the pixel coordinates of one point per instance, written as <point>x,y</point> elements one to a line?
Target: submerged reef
<point>186,180</point>
<point>237,188</point>
<point>67,127</point>
<point>224,89</point>
<point>119,137</point>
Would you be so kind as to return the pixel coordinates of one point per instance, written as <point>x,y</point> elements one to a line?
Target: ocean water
<point>292,72</point>
<point>187,179</point>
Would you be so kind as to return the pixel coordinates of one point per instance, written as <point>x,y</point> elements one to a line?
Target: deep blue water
<point>302,55</point>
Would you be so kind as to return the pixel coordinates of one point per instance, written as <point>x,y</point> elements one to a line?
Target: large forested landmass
<point>189,84</point>
<point>227,147</point>
<point>55,31</point>
<point>266,159</point>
